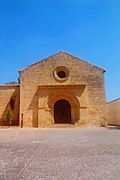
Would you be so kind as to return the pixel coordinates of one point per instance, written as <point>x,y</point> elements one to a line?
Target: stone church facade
<point>61,89</point>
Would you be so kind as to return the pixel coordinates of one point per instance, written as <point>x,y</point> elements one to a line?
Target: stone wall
<point>49,95</point>
<point>37,82</point>
<point>6,93</point>
<point>113,112</point>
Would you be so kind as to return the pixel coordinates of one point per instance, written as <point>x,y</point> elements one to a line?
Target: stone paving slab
<point>60,154</point>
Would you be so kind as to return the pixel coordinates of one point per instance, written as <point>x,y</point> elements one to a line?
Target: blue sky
<point>34,29</point>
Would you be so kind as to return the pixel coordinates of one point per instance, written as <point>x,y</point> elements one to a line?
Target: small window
<point>12,103</point>
<point>61,74</point>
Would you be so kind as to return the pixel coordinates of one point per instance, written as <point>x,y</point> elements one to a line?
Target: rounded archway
<point>62,112</point>
<point>62,95</point>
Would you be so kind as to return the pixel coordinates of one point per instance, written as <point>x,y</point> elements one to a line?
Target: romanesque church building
<point>59,90</point>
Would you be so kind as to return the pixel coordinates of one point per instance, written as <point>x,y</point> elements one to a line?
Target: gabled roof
<point>118,99</point>
<point>60,52</point>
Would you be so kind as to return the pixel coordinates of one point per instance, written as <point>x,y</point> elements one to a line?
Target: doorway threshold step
<point>63,125</point>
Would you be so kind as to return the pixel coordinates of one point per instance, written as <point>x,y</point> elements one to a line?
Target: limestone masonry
<point>113,112</point>
<point>59,90</point>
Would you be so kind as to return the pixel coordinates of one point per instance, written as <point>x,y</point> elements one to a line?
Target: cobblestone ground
<point>60,154</point>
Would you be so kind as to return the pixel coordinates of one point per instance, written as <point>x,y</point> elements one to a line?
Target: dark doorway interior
<point>62,112</point>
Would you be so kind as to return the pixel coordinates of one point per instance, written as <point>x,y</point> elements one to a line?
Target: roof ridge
<point>83,60</point>
<point>113,100</point>
<point>9,85</point>
<point>60,52</point>
<point>38,61</point>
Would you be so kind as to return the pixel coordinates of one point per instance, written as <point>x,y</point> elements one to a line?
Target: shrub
<point>10,117</point>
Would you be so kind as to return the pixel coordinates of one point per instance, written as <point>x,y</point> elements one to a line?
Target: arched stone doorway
<point>62,95</point>
<point>62,112</point>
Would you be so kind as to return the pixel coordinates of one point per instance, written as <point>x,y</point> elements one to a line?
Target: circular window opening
<point>61,74</point>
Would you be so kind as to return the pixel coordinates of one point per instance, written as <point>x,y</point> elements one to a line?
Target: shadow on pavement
<point>111,127</point>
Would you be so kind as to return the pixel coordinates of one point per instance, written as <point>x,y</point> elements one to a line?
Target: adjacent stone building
<point>61,89</point>
<point>9,96</point>
<point>113,112</point>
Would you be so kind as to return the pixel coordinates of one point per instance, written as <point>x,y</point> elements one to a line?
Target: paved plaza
<point>60,154</point>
